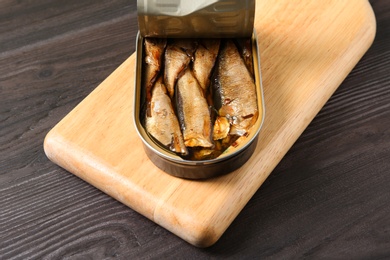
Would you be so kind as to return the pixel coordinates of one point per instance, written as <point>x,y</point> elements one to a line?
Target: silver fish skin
<point>205,57</point>
<point>193,112</point>
<point>235,90</point>
<point>245,48</point>
<point>154,50</point>
<point>178,55</point>
<point>162,123</point>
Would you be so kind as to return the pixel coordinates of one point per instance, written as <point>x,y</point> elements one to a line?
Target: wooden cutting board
<point>307,49</point>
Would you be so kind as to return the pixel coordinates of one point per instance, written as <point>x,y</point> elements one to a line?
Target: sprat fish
<point>204,61</point>
<point>178,55</point>
<point>193,112</point>
<point>154,50</point>
<point>245,48</point>
<point>235,90</point>
<point>162,123</point>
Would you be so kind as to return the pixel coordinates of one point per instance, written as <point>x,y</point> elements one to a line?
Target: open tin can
<point>198,20</point>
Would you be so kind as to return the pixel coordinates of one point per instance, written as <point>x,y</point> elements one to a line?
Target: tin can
<point>196,18</point>
<point>235,155</point>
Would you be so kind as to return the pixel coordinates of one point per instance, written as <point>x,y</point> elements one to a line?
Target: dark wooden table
<point>328,198</point>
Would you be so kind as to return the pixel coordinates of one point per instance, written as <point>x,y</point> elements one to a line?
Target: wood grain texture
<point>305,58</point>
<point>327,198</point>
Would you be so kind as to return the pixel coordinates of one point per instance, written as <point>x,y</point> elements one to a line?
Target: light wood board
<point>307,49</point>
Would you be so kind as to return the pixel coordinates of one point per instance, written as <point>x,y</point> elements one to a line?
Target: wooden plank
<point>307,49</point>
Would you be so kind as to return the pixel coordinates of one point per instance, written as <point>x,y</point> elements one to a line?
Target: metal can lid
<point>196,18</point>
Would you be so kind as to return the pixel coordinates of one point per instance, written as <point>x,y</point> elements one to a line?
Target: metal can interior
<point>200,18</point>
<point>233,158</point>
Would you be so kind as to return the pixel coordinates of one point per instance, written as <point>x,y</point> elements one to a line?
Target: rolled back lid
<point>196,18</point>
